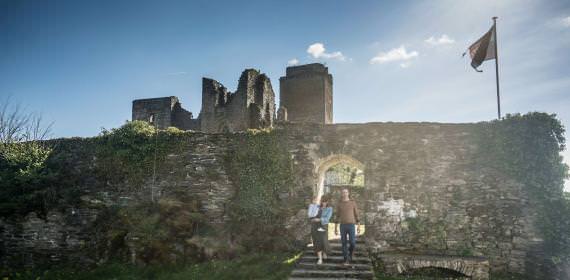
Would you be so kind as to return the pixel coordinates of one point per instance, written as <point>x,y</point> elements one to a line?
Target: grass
<point>258,266</point>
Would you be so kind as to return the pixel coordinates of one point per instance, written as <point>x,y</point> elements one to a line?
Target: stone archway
<point>476,268</point>
<point>323,164</point>
<point>322,167</point>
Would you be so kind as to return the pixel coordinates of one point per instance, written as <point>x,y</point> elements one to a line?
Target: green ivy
<point>268,266</point>
<point>154,228</point>
<point>40,176</point>
<point>346,175</point>
<point>261,169</point>
<point>26,182</point>
<point>527,147</point>
<point>127,154</point>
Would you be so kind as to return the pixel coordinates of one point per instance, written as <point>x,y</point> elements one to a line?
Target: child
<point>313,212</point>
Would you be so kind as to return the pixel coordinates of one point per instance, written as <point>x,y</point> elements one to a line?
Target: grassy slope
<point>261,266</point>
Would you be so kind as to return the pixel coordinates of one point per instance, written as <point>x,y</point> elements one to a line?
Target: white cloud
<point>398,54</point>
<point>566,21</point>
<point>293,62</point>
<point>443,40</point>
<point>317,50</point>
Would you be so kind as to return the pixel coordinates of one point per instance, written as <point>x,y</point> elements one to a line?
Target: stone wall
<point>476,268</point>
<point>72,232</point>
<point>305,95</point>
<point>164,112</point>
<point>251,106</point>
<point>183,119</point>
<point>424,193</point>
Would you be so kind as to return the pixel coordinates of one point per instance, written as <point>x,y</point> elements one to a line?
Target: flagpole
<point>497,68</point>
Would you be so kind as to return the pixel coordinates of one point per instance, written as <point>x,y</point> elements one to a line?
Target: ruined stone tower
<point>306,96</point>
<point>164,112</point>
<point>306,93</point>
<point>252,105</point>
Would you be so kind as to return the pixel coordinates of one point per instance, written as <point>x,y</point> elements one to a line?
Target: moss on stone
<point>261,169</point>
<point>527,147</point>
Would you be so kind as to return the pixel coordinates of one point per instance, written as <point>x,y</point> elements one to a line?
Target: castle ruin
<point>305,94</point>
<point>431,196</point>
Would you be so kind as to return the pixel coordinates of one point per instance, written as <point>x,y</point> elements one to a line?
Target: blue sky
<point>81,63</point>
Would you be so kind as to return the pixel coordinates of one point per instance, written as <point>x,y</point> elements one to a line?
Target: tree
<point>17,125</point>
<point>23,172</point>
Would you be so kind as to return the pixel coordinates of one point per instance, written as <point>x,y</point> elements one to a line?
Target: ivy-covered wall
<point>109,199</point>
<point>487,189</point>
<point>142,195</point>
<point>491,189</point>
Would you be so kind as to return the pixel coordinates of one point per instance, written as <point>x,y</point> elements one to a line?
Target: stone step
<point>333,266</point>
<point>333,252</point>
<point>321,278</point>
<point>358,247</point>
<point>359,274</point>
<point>339,245</point>
<point>337,241</point>
<point>335,244</point>
<point>334,259</point>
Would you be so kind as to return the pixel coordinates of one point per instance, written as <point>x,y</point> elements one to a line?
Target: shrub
<point>155,229</point>
<point>528,147</point>
<point>129,153</point>
<point>25,180</point>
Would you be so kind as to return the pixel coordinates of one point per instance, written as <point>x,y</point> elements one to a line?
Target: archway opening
<point>338,172</point>
<point>341,176</point>
<point>345,176</point>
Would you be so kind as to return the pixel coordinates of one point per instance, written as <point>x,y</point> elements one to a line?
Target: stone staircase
<point>333,268</point>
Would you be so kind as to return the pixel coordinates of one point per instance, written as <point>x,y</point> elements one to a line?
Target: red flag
<point>483,49</point>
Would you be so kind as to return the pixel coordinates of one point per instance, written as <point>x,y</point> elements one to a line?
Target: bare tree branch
<point>17,125</point>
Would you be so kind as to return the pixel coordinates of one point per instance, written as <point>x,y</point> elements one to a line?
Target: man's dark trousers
<point>347,234</point>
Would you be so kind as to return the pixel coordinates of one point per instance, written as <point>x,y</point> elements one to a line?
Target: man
<point>347,216</point>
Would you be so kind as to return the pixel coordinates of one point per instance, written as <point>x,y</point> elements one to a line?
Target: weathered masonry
<point>424,193</point>
<point>423,196</point>
<point>429,199</point>
<point>164,112</point>
<point>252,105</point>
<point>305,94</point>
